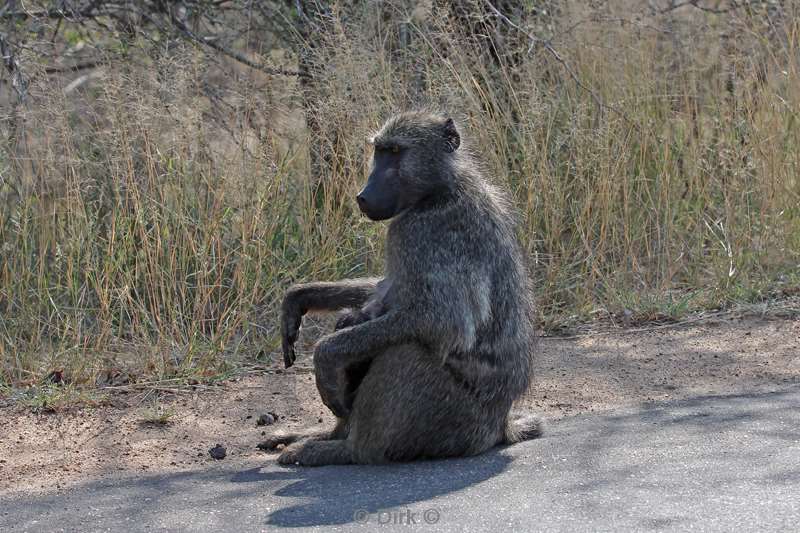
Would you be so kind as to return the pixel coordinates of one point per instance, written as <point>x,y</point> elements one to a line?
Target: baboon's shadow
<point>333,494</point>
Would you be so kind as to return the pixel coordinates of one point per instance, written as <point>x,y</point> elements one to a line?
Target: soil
<point>52,452</point>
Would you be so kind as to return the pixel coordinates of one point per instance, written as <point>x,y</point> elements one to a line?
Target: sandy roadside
<point>45,452</point>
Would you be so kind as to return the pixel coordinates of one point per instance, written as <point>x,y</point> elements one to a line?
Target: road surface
<point>720,463</point>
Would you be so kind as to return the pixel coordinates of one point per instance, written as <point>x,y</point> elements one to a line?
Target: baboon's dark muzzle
<point>377,200</point>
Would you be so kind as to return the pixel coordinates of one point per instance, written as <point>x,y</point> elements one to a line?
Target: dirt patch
<point>54,451</point>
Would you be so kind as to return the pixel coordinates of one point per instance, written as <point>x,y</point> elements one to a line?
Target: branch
<point>97,8</point>
<point>697,5</point>
<point>209,42</point>
<point>72,14</point>
<point>18,80</point>
<point>554,53</point>
<point>73,68</point>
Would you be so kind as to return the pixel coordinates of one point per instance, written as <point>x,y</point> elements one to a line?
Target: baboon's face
<point>407,166</point>
<point>383,195</point>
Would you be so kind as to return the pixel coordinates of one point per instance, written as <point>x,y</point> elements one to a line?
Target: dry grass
<point>139,236</point>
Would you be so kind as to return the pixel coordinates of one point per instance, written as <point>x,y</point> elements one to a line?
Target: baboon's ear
<point>451,136</point>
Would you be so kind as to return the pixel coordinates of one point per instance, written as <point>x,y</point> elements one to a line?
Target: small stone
<point>627,315</point>
<point>267,419</point>
<point>217,452</point>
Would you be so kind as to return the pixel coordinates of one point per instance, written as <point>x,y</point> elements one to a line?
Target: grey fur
<point>373,308</point>
<point>433,361</point>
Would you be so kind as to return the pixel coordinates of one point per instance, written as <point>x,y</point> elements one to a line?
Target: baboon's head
<point>412,154</point>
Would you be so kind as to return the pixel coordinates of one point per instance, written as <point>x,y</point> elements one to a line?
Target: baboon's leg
<point>338,385</point>
<point>353,376</point>
<point>277,439</point>
<point>408,406</point>
<point>317,453</point>
<point>339,371</point>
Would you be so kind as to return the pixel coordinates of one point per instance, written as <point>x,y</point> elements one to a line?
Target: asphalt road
<point>723,463</point>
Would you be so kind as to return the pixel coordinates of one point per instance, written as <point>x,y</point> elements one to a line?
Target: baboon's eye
<point>395,148</point>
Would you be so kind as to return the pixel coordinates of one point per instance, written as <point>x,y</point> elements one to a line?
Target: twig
<point>183,389</point>
<point>80,80</point>
<point>622,21</point>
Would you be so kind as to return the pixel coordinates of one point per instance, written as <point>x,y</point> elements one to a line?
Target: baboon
<point>434,355</point>
<point>375,307</point>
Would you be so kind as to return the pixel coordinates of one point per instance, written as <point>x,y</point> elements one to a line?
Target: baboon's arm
<point>318,296</point>
<point>441,331</point>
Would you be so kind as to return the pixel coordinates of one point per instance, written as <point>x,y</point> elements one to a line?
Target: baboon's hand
<point>353,318</point>
<point>291,318</point>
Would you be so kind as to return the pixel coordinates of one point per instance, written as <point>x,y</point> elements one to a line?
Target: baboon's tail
<point>522,426</point>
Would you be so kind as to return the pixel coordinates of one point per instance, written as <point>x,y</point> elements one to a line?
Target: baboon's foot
<point>316,453</point>
<point>285,438</point>
<point>278,439</point>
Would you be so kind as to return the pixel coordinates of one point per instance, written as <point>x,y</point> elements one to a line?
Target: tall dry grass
<point>140,236</point>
